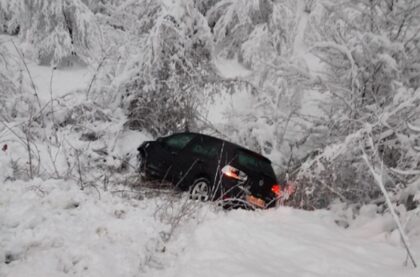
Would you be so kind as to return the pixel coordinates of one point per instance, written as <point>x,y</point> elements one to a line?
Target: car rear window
<point>178,141</point>
<point>255,162</point>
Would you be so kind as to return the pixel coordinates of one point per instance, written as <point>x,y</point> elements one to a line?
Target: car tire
<point>200,190</point>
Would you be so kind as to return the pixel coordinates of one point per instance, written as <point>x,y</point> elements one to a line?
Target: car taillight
<point>276,189</point>
<point>234,173</point>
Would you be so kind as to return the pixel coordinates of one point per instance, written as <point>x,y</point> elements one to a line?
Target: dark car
<point>210,169</point>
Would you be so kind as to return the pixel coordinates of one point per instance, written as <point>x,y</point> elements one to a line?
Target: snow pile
<point>283,242</point>
<point>230,68</point>
<point>53,228</point>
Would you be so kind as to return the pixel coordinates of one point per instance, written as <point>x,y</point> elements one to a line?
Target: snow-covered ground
<point>48,82</point>
<point>52,228</point>
<point>230,69</point>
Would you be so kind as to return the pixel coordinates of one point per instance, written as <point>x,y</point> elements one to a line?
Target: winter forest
<point>328,90</point>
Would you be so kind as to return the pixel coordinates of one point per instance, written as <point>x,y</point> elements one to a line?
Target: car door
<point>165,151</point>
<point>198,159</point>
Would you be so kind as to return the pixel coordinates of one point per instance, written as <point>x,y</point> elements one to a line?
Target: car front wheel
<point>200,190</point>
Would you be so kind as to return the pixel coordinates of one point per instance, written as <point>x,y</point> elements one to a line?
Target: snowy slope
<point>53,228</point>
<point>283,242</point>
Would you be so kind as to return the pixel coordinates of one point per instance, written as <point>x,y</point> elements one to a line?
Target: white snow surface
<point>49,82</point>
<point>52,228</point>
<point>230,68</point>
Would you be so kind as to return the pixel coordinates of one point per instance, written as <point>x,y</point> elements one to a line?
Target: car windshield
<point>255,162</point>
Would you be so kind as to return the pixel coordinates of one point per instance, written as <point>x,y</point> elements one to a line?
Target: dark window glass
<point>179,141</point>
<point>254,162</point>
<point>206,148</point>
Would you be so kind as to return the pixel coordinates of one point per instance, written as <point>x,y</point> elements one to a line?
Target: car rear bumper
<point>230,190</point>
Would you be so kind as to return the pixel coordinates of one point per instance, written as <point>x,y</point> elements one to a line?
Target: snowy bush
<point>233,22</point>
<point>340,172</point>
<point>17,97</point>
<point>271,47</point>
<point>164,89</point>
<point>365,59</point>
<point>366,49</point>
<point>9,16</point>
<point>59,32</point>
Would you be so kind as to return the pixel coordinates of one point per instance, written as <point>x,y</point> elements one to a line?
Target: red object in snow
<point>4,148</point>
<point>290,188</point>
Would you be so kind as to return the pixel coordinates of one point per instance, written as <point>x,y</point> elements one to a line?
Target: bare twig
<point>28,148</point>
<point>94,76</point>
<point>29,73</point>
<point>379,180</point>
<point>79,168</point>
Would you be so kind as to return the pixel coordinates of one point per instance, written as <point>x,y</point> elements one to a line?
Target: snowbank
<point>283,242</point>
<point>52,228</point>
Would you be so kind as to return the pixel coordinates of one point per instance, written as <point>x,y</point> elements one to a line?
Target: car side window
<point>253,162</point>
<point>178,141</point>
<point>206,148</point>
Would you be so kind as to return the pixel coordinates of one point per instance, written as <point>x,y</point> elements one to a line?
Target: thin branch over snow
<point>413,127</point>
<point>379,180</point>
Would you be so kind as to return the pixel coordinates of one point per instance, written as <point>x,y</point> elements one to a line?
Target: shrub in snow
<point>83,113</point>
<point>267,37</point>
<point>340,172</point>
<point>368,49</point>
<point>9,16</point>
<point>370,52</point>
<point>6,103</point>
<point>233,21</point>
<point>164,89</point>
<point>59,31</point>
<point>15,101</point>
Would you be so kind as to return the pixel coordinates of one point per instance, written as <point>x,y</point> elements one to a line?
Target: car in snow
<point>210,168</point>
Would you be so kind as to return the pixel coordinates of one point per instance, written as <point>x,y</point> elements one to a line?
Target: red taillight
<point>276,189</point>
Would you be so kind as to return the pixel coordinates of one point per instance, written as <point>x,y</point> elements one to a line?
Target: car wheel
<point>200,190</point>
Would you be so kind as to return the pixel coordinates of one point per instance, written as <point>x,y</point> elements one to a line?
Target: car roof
<point>230,143</point>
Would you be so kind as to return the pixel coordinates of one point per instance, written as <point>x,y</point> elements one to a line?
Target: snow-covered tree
<point>368,47</point>
<point>391,141</point>
<point>9,16</point>
<point>56,31</point>
<point>370,52</point>
<point>267,38</point>
<point>164,90</point>
<point>233,22</point>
